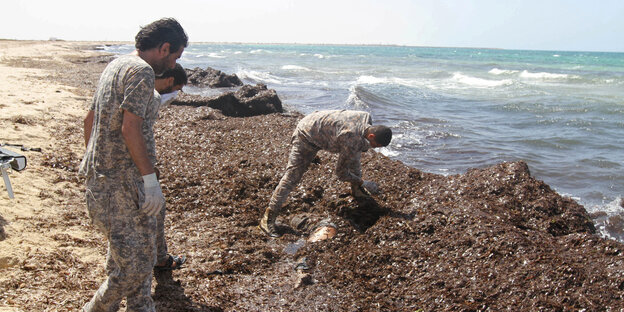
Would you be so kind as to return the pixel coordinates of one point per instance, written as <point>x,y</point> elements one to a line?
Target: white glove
<point>154,198</point>
<point>371,187</point>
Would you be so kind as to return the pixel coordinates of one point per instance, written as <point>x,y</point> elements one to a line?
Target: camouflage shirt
<point>127,83</point>
<point>338,131</point>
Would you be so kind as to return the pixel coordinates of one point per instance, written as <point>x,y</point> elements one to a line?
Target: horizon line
<point>325,44</point>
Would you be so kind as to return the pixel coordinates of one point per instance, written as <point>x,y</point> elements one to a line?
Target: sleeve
<point>348,167</point>
<point>138,91</point>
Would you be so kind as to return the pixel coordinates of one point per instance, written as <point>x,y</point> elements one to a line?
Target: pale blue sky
<point>590,25</point>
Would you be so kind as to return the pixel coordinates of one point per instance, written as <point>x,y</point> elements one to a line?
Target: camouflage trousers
<point>161,241</point>
<point>301,155</point>
<point>113,206</point>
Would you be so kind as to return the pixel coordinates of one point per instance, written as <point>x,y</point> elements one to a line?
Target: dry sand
<point>34,110</point>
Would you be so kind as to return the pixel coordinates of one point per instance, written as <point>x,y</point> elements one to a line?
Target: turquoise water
<point>452,109</point>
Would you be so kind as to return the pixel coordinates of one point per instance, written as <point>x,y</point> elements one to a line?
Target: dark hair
<point>157,33</point>
<point>383,134</point>
<point>178,73</point>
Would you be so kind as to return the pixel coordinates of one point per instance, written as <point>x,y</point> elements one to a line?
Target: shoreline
<point>489,238</point>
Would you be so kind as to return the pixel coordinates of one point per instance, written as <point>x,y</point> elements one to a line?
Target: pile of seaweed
<point>492,239</point>
<point>489,239</point>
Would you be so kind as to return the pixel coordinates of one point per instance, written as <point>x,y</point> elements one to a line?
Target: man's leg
<point>164,261</point>
<point>161,241</point>
<point>301,155</point>
<point>131,254</point>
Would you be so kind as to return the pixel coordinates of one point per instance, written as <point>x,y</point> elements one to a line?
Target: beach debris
<point>303,276</point>
<point>323,231</point>
<point>300,222</point>
<point>292,248</point>
<point>10,160</point>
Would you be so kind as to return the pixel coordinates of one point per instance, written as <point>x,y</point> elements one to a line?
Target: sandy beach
<point>490,239</point>
<point>39,111</point>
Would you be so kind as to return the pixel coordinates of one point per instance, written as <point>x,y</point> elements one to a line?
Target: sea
<point>453,109</point>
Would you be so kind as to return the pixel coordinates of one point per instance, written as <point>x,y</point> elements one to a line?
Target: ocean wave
<point>496,71</point>
<point>479,82</point>
<point>257,76</point>
<point>295,67</point>
<point>354,98</point>
<point>608,220</point>
<point>386,151</point>
<point>372,80</point>
<point>545,76</point>
<point>215,55</point>
<point>360,98</point>
<point>409,138</point>
<point>525,74</point>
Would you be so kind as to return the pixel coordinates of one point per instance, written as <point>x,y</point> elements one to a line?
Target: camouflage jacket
<point>127,83</point>
<point>338,131</point>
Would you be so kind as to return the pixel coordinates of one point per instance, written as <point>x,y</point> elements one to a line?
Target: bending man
<point>348,133</point>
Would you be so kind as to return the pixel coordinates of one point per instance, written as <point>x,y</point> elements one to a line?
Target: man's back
<point>336,130</point>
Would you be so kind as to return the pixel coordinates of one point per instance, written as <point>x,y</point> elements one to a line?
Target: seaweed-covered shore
<point>493,238</point>
<point>490,239</point>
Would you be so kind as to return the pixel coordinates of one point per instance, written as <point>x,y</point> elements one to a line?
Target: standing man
<point>347,133</point>
<point>167,83</point>
<point>123,194</point>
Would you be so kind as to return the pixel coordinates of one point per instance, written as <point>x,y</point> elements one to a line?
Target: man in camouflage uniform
<point>122,192</point>
<point>171,80</point>
<point>348,133</point>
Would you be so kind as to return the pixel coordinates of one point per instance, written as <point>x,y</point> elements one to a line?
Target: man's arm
<point>133,137</point>
<point>348,167</point>
<point>88,126</point>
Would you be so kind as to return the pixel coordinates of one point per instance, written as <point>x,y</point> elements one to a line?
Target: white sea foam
<point>215,55</point>
<point>611,209</point>
<point>319,55</point>
<point>544,76</point>
<point>479,82</point>
<point>608,225</point>
<point>409,136</point>
<point>389,152</point>
<point>295,67</point>
<point>354,100</point>
<point>258,76</point>
<point>371,80</point>
<point>496,71</point>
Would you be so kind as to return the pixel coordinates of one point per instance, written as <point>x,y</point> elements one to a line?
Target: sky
<point>561,25</point>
